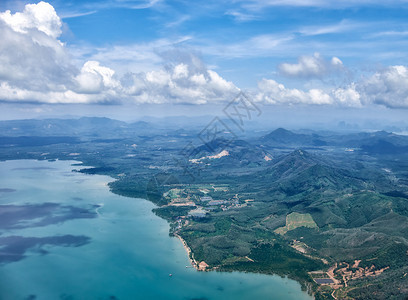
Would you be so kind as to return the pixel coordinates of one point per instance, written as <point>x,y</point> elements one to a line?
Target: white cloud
<point>33,60</point>
<point>272,92</point>
<point>95,78</point>
<point>180,71</point>
<point>390,34</point>
<point>334,4</point>
<point>180,83</point>
<point>142,5</point>
<point>36,67</point>
<point>388,87</point>
<point>240,16</point>
<point>342,26</point>
<point>178,22</point>
<point>76,14</point>
<point>311,66</point>
<point>348,96</point>
<point>264,45</point>
<point>20,95</point>
<point>129,4</point>
<point>335,61</point>
<point>41,16</point>
<point>128,58</point>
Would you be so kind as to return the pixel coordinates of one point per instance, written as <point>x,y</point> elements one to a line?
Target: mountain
<point>285,138</point>
<point>237,152</point>
<point>33,141</point>
<point>384,147</point>
<point>85,127</point>
<point>358,140</point>
<point>61,127</point>
<point>302,171</point>
<point>290,164</point>
<point>379,142</point>
<point>356,202</point>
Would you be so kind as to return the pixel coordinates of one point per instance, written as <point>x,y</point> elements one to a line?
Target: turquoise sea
<point>64,235</point>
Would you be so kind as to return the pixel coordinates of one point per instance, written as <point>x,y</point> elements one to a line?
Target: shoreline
<point>190,255</point>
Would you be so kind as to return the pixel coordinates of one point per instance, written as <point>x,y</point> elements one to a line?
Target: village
<point>340,274</point>
<point>201,203</point>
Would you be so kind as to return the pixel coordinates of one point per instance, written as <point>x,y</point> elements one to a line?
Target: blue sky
<point>344,54</point>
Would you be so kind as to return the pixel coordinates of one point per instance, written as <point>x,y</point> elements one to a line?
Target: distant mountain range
<point>82,127</point>
<point>380,142</point>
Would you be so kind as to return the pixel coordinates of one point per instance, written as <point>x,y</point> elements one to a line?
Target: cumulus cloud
<point>35,66</point>
<point>10,93</point>
<point>311,66</point>
<point>95,78</point>
<point>273,92</point>
<point>184,79</point>
<point>30,55</point>
<point>179,84</point>
<point>388,87</point>
<point>348,96</point>
<point>41,16</point>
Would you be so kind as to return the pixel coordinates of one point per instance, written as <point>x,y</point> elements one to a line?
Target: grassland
<point>295,220</point>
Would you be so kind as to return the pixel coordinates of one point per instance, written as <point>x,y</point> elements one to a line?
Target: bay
<point>64,235</point>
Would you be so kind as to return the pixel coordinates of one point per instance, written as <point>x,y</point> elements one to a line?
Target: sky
<point>130,58</point>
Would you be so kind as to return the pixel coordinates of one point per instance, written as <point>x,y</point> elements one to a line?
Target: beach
<point>189,253</point>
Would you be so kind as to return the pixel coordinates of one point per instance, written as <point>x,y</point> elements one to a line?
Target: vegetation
<point>277,258</point>
<point>296,220</point>
<point>302,211</point>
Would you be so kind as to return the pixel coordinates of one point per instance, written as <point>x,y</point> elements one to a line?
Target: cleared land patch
<point>295,220</point>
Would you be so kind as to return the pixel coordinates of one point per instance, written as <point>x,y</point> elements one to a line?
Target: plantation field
<point>296,220</point>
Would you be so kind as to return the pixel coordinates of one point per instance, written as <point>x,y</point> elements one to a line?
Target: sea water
<point>64,235</point>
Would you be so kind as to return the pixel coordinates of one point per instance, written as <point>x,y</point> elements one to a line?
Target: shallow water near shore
<point>64,235</point>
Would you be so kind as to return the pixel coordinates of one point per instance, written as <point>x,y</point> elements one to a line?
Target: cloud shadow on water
<point>37,215</point>
<point>14,248</point>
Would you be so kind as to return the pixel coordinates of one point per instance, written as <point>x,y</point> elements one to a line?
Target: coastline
<point>201,266</point>
<point>190,255</point>
<point>198,265</point>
